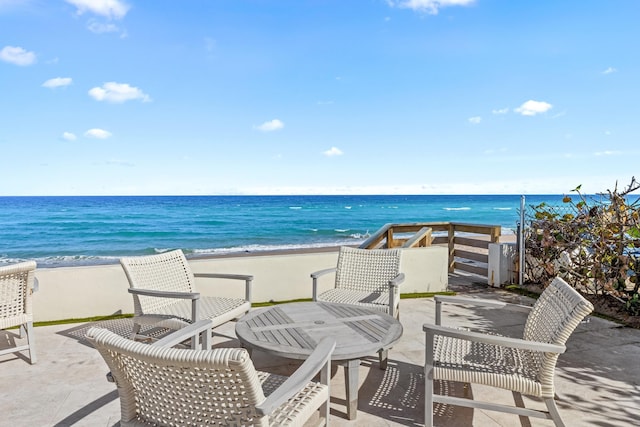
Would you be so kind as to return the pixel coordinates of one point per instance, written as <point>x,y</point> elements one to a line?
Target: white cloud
<point>99,27</point>
<point>607,153</point>
<point>429,6</point>
<point>609,70</point>
<point>68,136</point>
<point>270,126</point>
<point>333,151</point>
<point>106,10</point>
<point>475,120</point>
<point>531,108</point>
<point>57,82</point>
<point>118,93</point>
<point>97,133</point>
<point>500,111</point>
<point>17,55</point>
<point>111,9</point>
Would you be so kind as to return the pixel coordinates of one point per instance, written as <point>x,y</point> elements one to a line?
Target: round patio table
<point>293,330</point>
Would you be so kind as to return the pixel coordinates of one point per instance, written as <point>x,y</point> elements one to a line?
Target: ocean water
<point>59,231</point>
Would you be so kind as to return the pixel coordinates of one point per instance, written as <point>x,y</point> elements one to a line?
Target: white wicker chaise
<point>165,386</point>
<point>165,295</point>
<point>365,277</point>
<point>524,366</point>
<point>16,309</point>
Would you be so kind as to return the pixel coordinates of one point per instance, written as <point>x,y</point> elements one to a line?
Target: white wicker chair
<point>165,295</point>
<point>16,288</point>
<point>525,366</point>
<point>182,387</point>
<point>364,277</point>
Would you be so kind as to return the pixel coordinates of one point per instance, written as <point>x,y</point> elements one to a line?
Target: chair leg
<point>31,341</point>
<point>134,332</point>
<point>553,411</point>
<point>428,400</point>
<point>383,358</point>
<point>325,409</point>
<point>428,379</point>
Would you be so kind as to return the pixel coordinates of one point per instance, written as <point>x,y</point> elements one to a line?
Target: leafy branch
<point>591,241</point>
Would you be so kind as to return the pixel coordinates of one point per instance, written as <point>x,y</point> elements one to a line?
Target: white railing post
<point>521,242</point>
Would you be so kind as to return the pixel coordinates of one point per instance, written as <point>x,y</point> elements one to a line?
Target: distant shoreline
<point>504,238</point>
<point>310,250</point>
<point>113,260</point>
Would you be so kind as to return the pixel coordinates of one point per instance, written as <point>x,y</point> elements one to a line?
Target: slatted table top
<point>293,330</point>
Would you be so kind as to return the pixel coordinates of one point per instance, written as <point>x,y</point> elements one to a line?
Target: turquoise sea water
<point>59,231</point>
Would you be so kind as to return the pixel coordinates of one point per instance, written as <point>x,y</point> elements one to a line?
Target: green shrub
<point>592,242</point>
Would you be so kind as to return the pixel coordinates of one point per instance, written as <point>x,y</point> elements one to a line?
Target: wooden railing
<point>468,243</point>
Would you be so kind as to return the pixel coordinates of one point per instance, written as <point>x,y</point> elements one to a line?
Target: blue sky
<point>119,97</point>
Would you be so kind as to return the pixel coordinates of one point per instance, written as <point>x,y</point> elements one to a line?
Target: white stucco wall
<point>78,292</point>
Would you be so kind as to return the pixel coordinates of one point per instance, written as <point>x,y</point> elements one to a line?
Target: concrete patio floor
<point>597,379</point>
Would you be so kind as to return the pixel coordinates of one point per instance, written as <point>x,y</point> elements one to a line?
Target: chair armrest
<point>494,339</point>
<point>164,294</point>
<point>319,273</point>
<point>193,296</point>
<point>315,275</point>
<point>320,358</point>
<point>482,302</point>
<point>244,277</point>
<point>248,279</point>
<point>397,281</point>
<point>478,302</point>
<point>394,286</point>
<point>192,331</point>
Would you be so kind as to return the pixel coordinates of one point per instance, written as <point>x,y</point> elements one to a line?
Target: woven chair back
<point>169,386</point>
<point>168,271</point>
<point>16,284</point>
<point>367,270</point>
<point>553,318</point>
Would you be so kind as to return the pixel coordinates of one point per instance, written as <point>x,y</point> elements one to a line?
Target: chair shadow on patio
<point>597,384</point>
<point>79,415</point>
<point>123,328</point>
<point>9,340</point>
<point>397,395</point>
